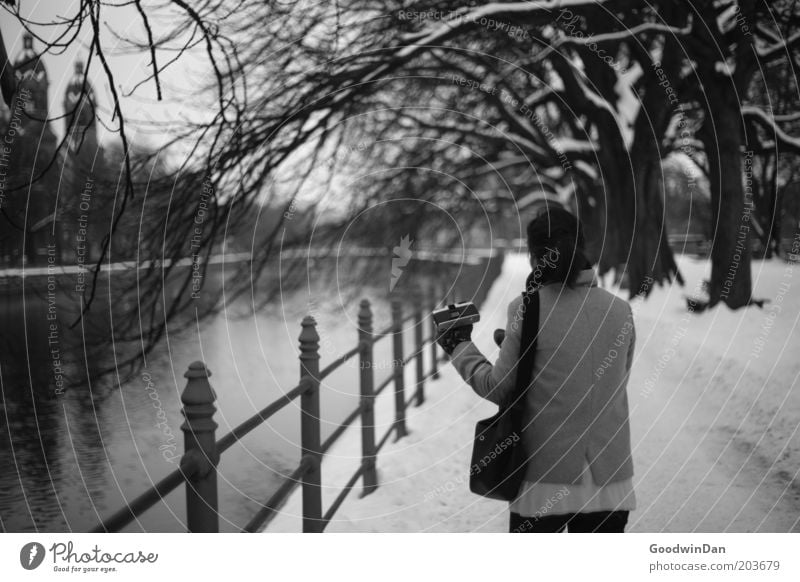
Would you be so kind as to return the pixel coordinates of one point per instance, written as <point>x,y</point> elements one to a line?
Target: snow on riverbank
<point>714,414</point>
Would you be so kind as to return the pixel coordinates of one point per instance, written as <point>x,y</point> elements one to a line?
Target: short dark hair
<point>555,238</point>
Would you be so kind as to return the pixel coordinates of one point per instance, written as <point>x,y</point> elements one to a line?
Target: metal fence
<point>202,451</point>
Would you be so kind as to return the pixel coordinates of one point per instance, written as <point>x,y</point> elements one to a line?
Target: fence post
<point>420,346</point>
<point>367,386</point>
<point>399,368</point>
<point>432,303</point>
<point>310,426</point>
<point>200,444</point>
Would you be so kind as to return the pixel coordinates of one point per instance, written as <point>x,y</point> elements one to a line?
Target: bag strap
<point>527,346</point>
<point>527,352</point>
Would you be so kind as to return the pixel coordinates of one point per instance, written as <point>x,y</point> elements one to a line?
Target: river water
<point>68,460</point>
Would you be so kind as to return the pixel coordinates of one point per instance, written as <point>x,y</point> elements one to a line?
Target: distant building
<point>84,218</point>
<point>47,189</point>
<point>29,146</point>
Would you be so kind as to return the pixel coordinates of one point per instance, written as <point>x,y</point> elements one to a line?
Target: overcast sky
<point>129,68</point>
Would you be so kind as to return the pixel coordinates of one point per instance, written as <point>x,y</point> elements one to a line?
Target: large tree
<point>464,107</point>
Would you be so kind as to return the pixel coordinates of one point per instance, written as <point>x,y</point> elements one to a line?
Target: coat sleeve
<point>492,382</point>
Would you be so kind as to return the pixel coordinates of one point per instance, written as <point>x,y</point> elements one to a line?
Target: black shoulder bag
<point>498,454</point>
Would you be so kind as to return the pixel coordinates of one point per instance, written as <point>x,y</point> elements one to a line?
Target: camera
<point>455,315</point>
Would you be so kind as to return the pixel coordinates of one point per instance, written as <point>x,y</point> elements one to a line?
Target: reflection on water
<point>66,460</point>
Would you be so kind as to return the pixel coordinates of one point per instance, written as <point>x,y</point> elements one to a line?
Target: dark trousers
<point>595,522</point>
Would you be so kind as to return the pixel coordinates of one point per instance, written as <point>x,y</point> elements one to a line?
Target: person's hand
<point>454,336</point>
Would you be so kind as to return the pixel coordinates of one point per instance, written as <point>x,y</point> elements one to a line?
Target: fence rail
<point>198,466</point>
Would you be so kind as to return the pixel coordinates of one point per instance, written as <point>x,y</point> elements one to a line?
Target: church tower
<point>33,175</point>
<point>32,77</point>
<point>82,214</point>
<point>79,116</point>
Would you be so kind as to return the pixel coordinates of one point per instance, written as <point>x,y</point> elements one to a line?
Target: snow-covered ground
<point>715,408</point>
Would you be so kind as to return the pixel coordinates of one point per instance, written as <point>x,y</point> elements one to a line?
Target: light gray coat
<point>576,402</point>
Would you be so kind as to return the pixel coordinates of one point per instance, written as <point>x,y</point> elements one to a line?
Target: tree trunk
<point>731,206</point>
<point>617,199</point>
<point>651,259</point>
<point>616,179</point>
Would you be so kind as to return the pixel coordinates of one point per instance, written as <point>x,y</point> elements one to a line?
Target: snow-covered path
<point>714,425</point>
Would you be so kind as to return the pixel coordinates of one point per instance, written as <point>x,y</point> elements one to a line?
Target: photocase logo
<point>402,254</point>
<point>31,555</point>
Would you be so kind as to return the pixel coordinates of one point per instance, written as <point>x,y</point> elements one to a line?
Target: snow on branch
<point>573,146</point>
<point>491,133</point>
<point>485,16</point>
<point>458,20</point>
<point>621,35</point>
<point>763,31</point>
<point>595,98</point>
<point>538,97</point>
<point>787,117</point>
<point>768,122</point>
<point>778,49</point>
<point>587,169</point>
<point>495,167</point>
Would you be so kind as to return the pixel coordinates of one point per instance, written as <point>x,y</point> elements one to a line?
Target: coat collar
<point>587,277</point>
